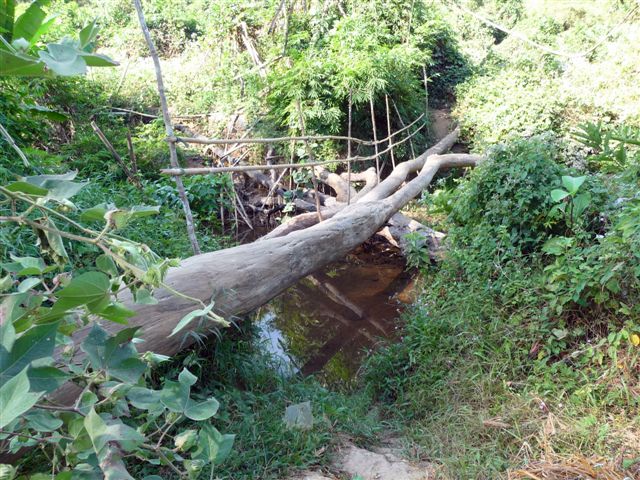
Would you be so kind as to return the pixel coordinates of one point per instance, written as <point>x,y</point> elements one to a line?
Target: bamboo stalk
<point>375,137</point>
<point>314,180</point>
<point>349,151</point>
<point>413,153</point>
<point>173,153</point>
<point>386,102</point>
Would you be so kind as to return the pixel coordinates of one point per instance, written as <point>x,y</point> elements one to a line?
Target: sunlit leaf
<point>28,188</point>
<point>37,343</point>
<point>572,184</point>
<point>63,60</point>
<point>189,317</point>
<point>559,194</point>
<point>16,398</point>
<point>27,25</point>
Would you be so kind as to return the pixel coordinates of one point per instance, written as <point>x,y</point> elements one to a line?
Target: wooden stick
<point>375,137</point>
<point>250,168</point>
<point>132,153</point>
<point>105,141</point>
<point>314,180</point>
<point>223,141</point>
<point>413,153</point>
<point>173,153</point>
<point>426,91</point>
<point>13,144</point>
<point>386,102</point>
<point>349,150</point>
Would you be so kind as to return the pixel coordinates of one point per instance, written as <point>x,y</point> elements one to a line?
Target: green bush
<point>509,194</point>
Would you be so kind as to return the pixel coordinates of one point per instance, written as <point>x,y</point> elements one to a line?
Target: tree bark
<point>242,278</point>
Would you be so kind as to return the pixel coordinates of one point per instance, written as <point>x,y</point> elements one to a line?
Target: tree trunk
<point>242,278</point>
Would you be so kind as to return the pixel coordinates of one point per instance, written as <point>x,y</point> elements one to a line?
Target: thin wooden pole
<point>105,141</point>
<point>173,153</point>
<point>314,180</point>
<point>386,102</point>
<point>280,166</point>
<point>413,153</point>
<point>375,138</point>
<point>132,153</point>
<point>349,151</point>
<point>426,92</point>
<point>13,145</point>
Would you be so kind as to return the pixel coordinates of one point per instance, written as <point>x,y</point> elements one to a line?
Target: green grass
<point>253,398</point>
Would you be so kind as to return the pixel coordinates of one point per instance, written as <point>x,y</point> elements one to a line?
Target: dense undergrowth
<point>524,343</point>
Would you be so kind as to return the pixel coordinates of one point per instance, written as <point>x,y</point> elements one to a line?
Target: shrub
<point>509,194</point>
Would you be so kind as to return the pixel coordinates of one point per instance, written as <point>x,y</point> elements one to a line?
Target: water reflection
<point>325,322</point>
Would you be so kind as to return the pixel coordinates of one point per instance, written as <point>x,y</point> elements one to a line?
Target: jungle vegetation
<point>521,352</point>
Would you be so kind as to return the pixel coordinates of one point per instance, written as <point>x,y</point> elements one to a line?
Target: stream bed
<point>325,323</point>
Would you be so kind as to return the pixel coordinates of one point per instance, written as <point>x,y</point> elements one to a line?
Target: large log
<point>242,278</point>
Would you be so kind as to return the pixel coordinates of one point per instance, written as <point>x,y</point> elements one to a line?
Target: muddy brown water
<point>325,323</point>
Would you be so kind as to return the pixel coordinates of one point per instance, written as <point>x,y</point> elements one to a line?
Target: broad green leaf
<point>202,410</point>
<point>90,289</point>
<point>187,378</point>
<point>55,242</point>
<point>7,14</point>
<point>185,440</point>
<point>63,59</point>
<point>7,335</point>
<point>117,313</point>
<point>176,397</point>
<point>43,421</point>
<point>559,194</point>
<point>44,28</point>
<point>16,398</point>
<point>7,472</point>
<point>122,217</point>
<point>114,354</point>
<point>97,212</point>
<point>25,266</point>
<point>27,25</point>
<point>557,245</point>
<point>144,297</point>
<point>60,187</point>
<point>17,64</point>
<point>106,264</point>
<point>98,60</point>
<point>88,34</point>
<point>28,188</point>
<point>144,398</point>
<point>189,317</point>
<point>580,204</point>
<point>572,184</point>
<point>37,343</point>
<point>46,113</point>
<point>101,433</point>
<point>213,447</point>
<point>28,283</point>
<point>41,180</point>
<point>46,379</point>
<point>6,283</point>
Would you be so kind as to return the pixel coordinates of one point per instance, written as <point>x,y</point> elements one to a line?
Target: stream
<point>325,323</point>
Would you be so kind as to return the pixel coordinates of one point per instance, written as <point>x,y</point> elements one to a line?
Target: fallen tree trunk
<point>371,191</point>
<point>242,278</point>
